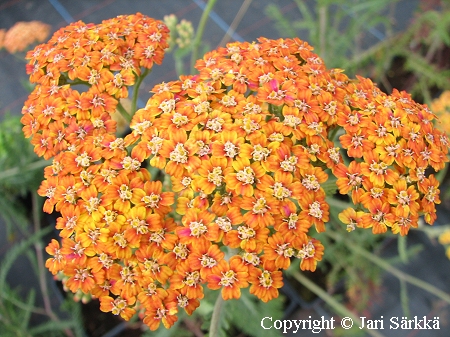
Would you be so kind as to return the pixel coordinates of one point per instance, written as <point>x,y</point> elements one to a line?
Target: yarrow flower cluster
<point>109,58</point>
<point>181,33</point>
<point>24,33</point>
<point>441,107</point>
<point>245,149</point>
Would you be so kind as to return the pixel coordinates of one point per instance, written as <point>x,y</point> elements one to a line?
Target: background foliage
<point>358,36</point>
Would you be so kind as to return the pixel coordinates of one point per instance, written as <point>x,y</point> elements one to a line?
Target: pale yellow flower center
<point>197,228</point>
<point>285,250</point>
<point>308,251</point>
<point>215,176</point>
<point>179,154</point>
<point>251,258</point>
<point>228,278</point>
<point>192,279</point>
<point>109,216</point>
<point>292,121</point>
<point>276,137</point>
<point>139,225</point>
<point>207,261</point>
<point>105,260</point>
<point>403,198</point>
<point>230,149</point>
<point>118,306</point>
<point>315,210</point>
<point>260,153</point>
<point>82,274</point>
<point>151,265</point>
<point>245,233</point>
<point>151,200</point>
<point>117,144</point>
<point>119,239</point>
<point>378,168</point>
<point>83,160</point>
<point>155,144</point>
<point>260,206</point>
<point>246,175</point>
<point>179,119</point>
<point>92,205</point>
<point>288,164</point>
<point>125,192</point>
<point>157,236</point>
<point>280,192</point>
<point>265,279</point>
<point>167,106</point>
<point>224,224</point>
<point>181,251</point>
<point>311,182</point>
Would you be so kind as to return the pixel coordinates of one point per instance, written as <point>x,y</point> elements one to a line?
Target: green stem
<point>38,246</point>
<point>339,204</point>
<point>215,319</point>
<point>402,249</point>
<point>179,65</point>
<point>442,173</point>
<point>136,91</point>
<point>370,52</point>
<point>237,19</point>
<point>30,167</point>
<point>199,33</point>
<point>401,275</point>
<point>77,82</point>
<point>13,300</point>
<point>404,299</point>
<point>392,270</point>
<point>323,18</point>
<point>333,133</point>
<point>332,302</point>
<point>125,114</point>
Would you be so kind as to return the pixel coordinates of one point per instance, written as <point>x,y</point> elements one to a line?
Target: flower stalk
<point>136,91</point>
<point>402,276</point>
<point>125,114</point>
<point>14,171</point>
<point>214,329</point>
<point>199,33</point>
<point>332,302</point>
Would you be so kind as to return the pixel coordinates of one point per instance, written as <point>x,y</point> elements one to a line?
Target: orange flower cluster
<point>393,144</point>
<point>20,36</point>
<point>441,107</point>
<point>244,149</point>
<point>60,114</point>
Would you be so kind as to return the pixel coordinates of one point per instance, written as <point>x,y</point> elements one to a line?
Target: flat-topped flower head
<point>106,58</point>
<point>250,144</point>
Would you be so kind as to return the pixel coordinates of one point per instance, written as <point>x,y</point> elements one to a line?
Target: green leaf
<point>330,186</point>
<point>420,66</point>
<point>26,314</point>
<point>52,326</point>
<point>14,313</point>
<point>255,310</point>
<point>283,25</point>
<point>12,254</point>
<point>16,152</point>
